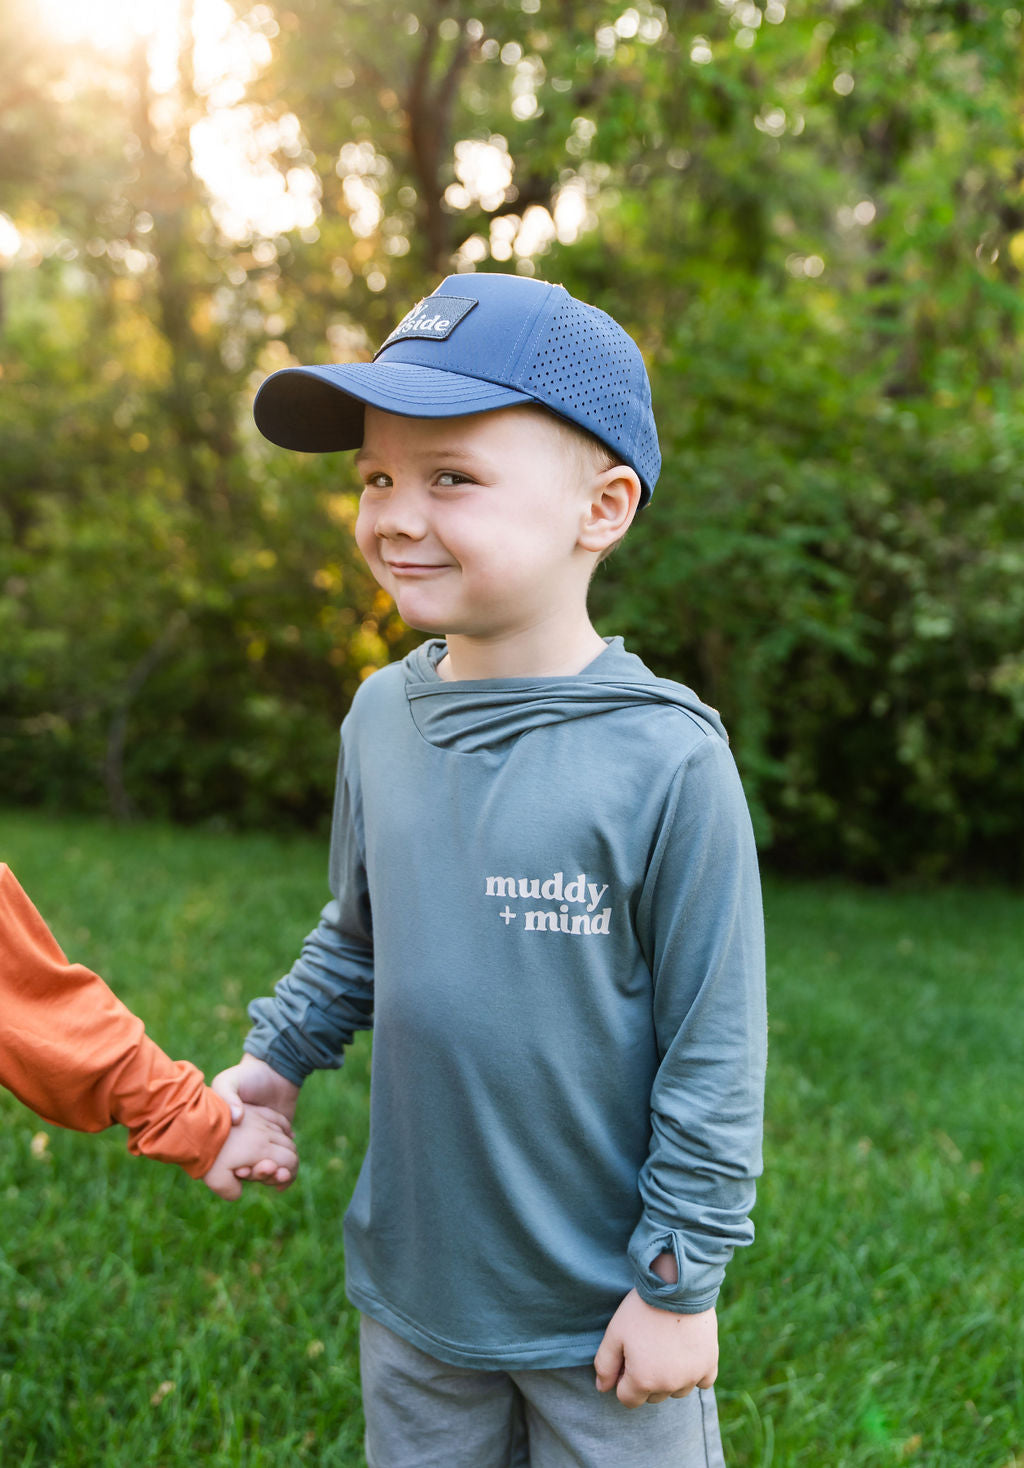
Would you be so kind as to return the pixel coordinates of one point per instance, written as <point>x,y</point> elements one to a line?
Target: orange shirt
<point>75,1054</point>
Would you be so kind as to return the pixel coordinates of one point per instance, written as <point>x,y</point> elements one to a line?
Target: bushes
<point>190,662</point>
<point>849,591</point>
<point>842,575</point>
<point>811,222</point>
<point>840,572</point>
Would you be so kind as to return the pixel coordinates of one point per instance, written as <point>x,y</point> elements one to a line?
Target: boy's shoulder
<point>383,695</point>
<point>662,700</point>
<point>379,686</point>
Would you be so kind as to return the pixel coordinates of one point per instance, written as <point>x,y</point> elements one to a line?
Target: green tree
<point>808,214</point>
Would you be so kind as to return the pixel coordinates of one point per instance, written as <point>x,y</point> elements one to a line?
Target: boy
<point>545,902</point>
<point>73,1053</point>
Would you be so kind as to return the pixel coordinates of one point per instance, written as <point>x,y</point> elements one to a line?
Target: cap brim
<point>320,409</point>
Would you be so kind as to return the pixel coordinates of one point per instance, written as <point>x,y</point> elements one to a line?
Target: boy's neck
<point>531,654</point>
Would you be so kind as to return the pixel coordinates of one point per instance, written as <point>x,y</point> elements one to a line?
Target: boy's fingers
<point>608,1364</point>
<point>227,1089</point>
<point>263,1171</point>
<point>228,1188</point>
<point>278,1171</point>
<point>274,1121</point>
<point>629,1393</point>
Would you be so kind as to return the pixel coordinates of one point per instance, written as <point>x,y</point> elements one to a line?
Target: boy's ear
<point>614,499</point>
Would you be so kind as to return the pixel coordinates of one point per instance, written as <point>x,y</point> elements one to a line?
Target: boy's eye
<point>448,478</point>
<point>377,481</point>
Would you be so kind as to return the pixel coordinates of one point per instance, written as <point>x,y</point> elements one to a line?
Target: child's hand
<point>649,1354</point>
<point>261,1140</point>
<point>254,1082</point>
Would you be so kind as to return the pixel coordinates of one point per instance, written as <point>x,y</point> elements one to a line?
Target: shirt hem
<point>577,1350</point>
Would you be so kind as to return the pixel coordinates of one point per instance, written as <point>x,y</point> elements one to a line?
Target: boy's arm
<point>700,922</point>
<point>320,1004</point>
<point>328,994</point>
<point>73,1053</point>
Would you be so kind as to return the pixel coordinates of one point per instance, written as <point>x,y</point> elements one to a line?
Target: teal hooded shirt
<point>546,904</point>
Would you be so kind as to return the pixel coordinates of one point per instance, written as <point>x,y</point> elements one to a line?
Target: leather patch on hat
<point>434,319</point>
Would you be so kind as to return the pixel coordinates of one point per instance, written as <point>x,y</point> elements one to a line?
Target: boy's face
<point>472,524</point>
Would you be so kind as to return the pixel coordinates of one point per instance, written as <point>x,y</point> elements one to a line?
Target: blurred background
<point>809,215</point>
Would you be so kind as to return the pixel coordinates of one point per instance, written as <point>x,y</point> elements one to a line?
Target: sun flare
<point>234,141</point>
<point>110,25</point>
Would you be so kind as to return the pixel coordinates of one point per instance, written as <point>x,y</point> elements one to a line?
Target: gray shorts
<point>423,1413</point>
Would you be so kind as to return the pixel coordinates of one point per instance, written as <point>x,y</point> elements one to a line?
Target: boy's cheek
<point>366,543</point>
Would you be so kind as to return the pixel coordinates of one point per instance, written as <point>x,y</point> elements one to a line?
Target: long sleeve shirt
<point>546,904</point>
<point>71,1051</point>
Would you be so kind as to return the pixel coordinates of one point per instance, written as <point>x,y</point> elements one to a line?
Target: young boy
<point>545,901</point>
<point>73,1053</point>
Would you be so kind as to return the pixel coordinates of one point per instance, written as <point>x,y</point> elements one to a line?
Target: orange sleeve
<point>71,1051</point>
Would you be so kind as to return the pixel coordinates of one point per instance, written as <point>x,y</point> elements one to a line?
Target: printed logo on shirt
<point>573,907</point>
<point>435,318</point>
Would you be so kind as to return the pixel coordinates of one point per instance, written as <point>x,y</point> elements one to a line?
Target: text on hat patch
<point>434,319</point>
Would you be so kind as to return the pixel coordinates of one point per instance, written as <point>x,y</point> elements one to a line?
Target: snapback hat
<point>479,342</point>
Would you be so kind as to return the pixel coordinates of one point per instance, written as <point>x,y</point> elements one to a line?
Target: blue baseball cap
<point>478,343</point>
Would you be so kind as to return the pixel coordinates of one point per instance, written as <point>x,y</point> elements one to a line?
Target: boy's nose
<point>401,516</point>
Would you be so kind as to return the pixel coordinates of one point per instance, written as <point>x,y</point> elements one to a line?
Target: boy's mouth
<point>414,568</point>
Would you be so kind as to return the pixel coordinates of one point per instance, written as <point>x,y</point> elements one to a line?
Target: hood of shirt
<point>486,713</point>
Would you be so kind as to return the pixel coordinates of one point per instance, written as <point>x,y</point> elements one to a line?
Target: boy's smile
<point>472,525</point>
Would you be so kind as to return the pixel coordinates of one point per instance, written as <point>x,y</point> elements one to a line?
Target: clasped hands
<point>260,1146</point>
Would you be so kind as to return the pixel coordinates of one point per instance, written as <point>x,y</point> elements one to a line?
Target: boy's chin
<point>421,624</point>
<point>418,618</point>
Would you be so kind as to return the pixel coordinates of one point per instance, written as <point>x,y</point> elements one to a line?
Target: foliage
<point>851,593</point>
<point>810,215</point>
<point>147,1321</point>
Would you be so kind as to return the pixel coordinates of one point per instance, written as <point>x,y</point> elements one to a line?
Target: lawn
<point>877,1320</point>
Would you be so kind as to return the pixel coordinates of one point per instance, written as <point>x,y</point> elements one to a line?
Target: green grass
<point>876,1321</point>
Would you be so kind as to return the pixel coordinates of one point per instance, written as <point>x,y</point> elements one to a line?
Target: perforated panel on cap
<point>588,369</point>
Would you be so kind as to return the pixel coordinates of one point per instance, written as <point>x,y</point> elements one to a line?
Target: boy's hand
<point>253,1082</point>
<point>263,1140</point>
<point>649,1354</point>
